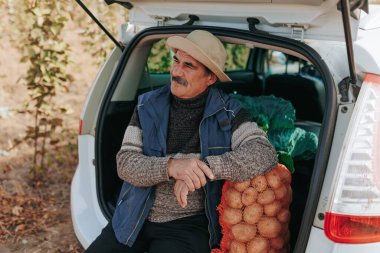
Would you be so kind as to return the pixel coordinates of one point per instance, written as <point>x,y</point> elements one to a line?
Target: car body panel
<point>343,119</point>
<point>88,220</point>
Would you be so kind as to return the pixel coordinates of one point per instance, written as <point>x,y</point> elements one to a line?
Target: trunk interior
<point>259,65</point>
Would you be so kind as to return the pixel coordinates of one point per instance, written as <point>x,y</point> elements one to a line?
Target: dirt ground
<point>35,215</point>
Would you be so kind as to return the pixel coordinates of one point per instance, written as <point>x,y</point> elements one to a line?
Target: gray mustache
<point>179,80</point>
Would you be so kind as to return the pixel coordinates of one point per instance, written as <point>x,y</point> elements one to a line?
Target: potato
<point>277,242</point>
<point>252,213</point>
<point>283,215</point>
<point>284,174</point>
<point>233,198</point>
<point>269,227</point>
<point>273,179</point>
<point>241,186</point>
<point>243,232</point>
<point>272,250</point>
<point>289,196</point>
<point>259,183</point>
<point>232,216</point>
<point>266,197</point>
<point>237,247</point>
<point>284,228</point>
<point>249,196</point>
<point>273,208</point>
<point>280,192</point>
<point>258,245</point>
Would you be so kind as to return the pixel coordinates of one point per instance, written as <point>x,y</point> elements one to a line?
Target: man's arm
<point>141,170</point>
<point>132,165</point>
<point>251,154</point>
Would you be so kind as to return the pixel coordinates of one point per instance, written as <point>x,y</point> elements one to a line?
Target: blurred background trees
<point>40,31</point>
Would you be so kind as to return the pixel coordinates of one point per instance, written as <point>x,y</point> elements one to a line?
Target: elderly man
<point>183,140</point>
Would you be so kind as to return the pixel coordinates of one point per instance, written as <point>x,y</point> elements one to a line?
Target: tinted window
<point>160,58</point>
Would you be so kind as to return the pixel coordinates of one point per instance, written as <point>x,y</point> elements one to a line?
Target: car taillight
<point>354,213</point>
<point>80,126</point>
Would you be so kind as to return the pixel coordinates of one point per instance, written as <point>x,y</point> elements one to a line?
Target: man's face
<point>189,77</point>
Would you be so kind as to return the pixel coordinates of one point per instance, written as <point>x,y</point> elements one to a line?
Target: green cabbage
<point>295,143</point>
<point>269,112</point>
<point>276,117</point>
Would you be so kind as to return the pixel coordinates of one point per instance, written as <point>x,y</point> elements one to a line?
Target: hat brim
<point>183,44</point>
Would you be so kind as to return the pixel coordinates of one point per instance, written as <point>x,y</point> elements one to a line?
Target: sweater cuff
<point>161,171</point>
<point>216,165</point>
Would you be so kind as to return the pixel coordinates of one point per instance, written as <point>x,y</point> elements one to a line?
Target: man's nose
<point>177,70</point>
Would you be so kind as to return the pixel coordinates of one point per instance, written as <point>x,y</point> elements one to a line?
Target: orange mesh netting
<point>254,214</point>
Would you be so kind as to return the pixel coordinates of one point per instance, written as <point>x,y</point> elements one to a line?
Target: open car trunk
<point>134,77</point>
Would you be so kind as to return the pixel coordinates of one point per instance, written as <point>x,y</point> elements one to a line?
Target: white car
<point>322,55</point>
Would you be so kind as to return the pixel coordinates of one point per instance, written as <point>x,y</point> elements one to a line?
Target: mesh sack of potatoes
<point>255,215</point>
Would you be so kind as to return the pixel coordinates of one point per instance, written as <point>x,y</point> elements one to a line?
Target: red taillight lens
<point>80,126</point>
<point>352,229</point>
<point>353,215</point>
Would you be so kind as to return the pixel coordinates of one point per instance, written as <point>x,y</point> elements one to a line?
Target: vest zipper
<point>138,221</point>
<point>204,188</point>
<point>122,198</point>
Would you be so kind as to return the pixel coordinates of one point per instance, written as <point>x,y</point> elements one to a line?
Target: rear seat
<point>307,94</point>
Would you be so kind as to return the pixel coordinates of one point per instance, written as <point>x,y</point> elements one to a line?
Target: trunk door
<point>300,19</point>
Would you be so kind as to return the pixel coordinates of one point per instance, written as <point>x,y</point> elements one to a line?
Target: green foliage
<point>96,41</point>
<point>276,117</point>
<point>46,55</point>
<point>160,58</point>
<point>237,56</point>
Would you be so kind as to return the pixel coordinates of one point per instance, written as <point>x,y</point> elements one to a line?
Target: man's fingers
<point>201,177</point>
<point>189,183</point>
<point>177,191</point>
<point>206,170</point>
<point>183,197</point>
<point>195,178</point>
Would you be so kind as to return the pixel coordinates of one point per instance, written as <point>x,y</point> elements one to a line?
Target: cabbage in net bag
<point>255,215</point>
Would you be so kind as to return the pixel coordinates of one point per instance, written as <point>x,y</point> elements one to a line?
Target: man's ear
<point>212,79</point>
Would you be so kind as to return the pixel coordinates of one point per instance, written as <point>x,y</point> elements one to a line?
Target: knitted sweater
<point>183,142</point>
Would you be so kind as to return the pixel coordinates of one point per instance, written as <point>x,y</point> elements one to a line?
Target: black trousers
<point>187,235</point>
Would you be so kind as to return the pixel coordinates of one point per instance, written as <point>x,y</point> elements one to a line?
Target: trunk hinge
<point>161,20</point>
<point>117,43</point>
<point>349,44</point>
<point>298,31</point>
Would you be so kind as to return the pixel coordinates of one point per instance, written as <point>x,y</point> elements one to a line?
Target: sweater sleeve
<point>251,153</point>
<point>135,167</point>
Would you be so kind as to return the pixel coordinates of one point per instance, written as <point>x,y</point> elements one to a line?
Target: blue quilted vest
<point>215,131</point>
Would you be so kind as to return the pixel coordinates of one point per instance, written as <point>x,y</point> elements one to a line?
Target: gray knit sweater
<point>251,155</point>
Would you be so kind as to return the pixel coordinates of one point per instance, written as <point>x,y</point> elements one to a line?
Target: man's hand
<point>192,171</point>
<point>181,191</point>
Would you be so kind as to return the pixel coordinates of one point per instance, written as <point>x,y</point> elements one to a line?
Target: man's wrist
<point>170,160</point>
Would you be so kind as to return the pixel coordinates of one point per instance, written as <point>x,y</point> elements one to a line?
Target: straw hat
<point>205,48</point>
